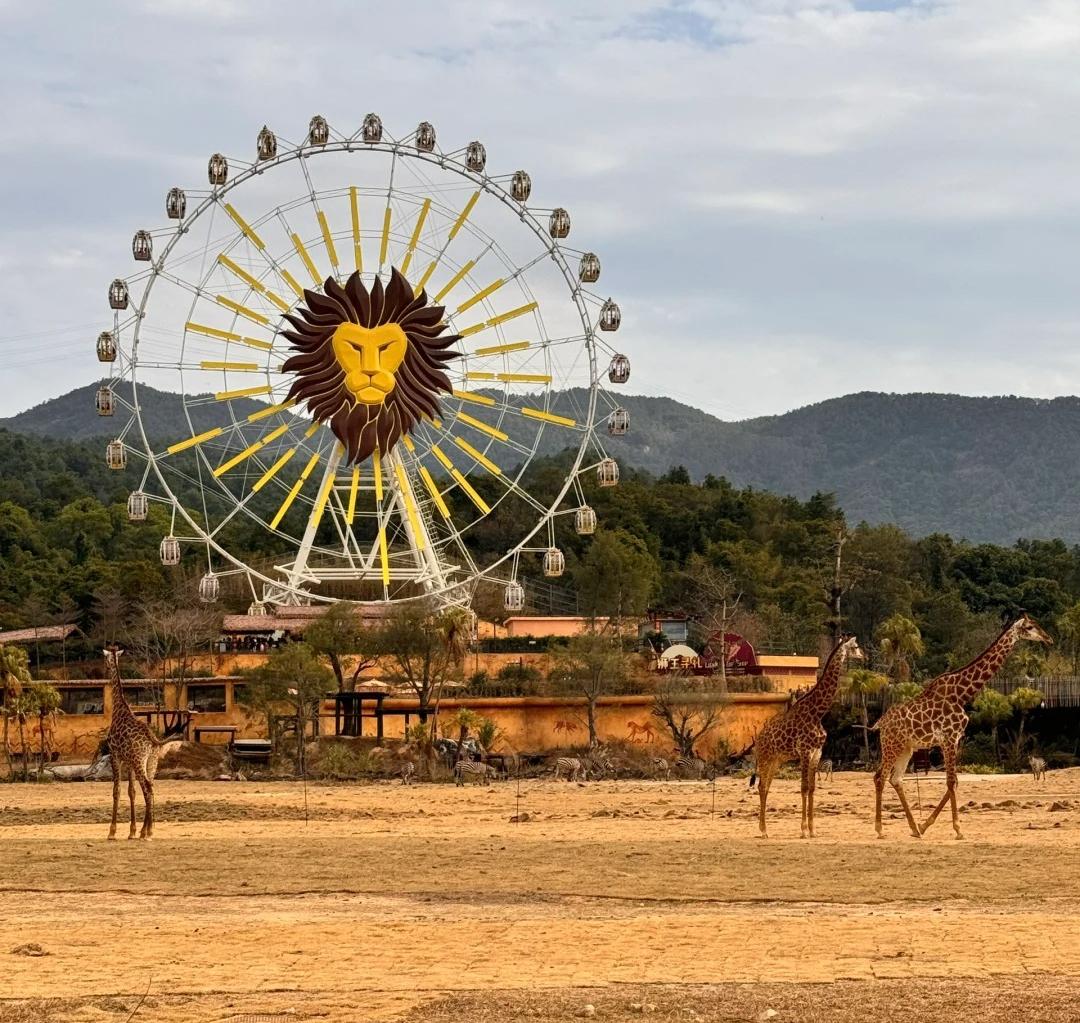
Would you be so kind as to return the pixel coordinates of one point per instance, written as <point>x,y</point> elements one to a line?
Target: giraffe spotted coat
<point>936,717</point>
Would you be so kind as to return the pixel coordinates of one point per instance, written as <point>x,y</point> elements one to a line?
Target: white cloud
<point>819,196</point>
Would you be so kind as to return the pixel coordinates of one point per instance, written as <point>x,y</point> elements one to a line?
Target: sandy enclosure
<point>378,901</point>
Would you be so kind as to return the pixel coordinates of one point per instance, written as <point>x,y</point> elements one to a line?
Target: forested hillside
<point>66,545</point>
<point>993,469</point>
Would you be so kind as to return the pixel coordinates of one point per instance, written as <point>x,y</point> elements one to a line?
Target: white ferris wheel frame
<point>430,572</point>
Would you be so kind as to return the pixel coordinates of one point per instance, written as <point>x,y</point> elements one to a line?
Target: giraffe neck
<point>964,684</point>
<point>120,707</point>
<point>820,698</point>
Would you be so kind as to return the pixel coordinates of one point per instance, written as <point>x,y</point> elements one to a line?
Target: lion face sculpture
<point>369,363</point>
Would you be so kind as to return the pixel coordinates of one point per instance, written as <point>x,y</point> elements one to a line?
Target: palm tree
<point>900,642</point>
<point>1025,700</point>
<point>466,720</point>
<point>994,709</point>
<point>14,674</point>
<point>861,683</point>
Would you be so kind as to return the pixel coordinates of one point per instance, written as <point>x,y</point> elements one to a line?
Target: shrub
<point>340,763</point>
<point>978,750</point>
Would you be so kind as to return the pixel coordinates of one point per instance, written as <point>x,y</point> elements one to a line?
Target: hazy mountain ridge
<point>982,468</point>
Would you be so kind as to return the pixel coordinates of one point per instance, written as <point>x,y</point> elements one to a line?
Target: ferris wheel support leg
<point>297,571</point>
<point>429,566</point>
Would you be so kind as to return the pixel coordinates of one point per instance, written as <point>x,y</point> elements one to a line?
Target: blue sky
<point>793,199</point>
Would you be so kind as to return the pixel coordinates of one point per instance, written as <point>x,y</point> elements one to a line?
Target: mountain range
<point>986,469</point>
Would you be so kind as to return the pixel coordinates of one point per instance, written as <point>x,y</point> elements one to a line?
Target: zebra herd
<point>595,764</point>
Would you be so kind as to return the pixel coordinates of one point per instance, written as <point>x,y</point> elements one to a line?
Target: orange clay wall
<point>530,724</point>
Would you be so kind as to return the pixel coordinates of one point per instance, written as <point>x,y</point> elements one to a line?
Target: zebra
<point>824,769</point>
<point>571,765</point>
<point>597,762</point>
<point>691,765</point>
<point>663,768</point>
<point>472,768</point>
<point>408,772</point>
<point>1038,767</point>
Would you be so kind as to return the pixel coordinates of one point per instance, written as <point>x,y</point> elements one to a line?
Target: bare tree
<point>590,665</point>
<point>165,636</point>
<point>687,714</point>
<point>714,599</point>
<point>836,584</point>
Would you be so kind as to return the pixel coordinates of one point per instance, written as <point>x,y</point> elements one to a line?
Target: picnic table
<point>229,730</point>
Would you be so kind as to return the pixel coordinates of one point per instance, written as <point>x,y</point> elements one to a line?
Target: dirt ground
<point>372,902</point>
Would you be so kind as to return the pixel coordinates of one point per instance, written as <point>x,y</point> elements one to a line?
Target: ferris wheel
<point>373,338</point>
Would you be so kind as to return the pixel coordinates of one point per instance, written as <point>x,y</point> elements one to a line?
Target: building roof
<point>39,633</point>
<point>787,661</point>
<point>294,620</point>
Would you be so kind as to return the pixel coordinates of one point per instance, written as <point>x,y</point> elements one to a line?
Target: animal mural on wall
<point>566,727</point>
<point>642,733</point>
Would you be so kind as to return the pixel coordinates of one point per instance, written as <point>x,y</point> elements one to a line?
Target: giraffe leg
<point>950,781</point>
<point>815,759</point>
<point>147,787</point>
<point>937,809</point>
<point>879,785</point>
<point>897,781</point>
<point>765,776</point>
<point>804,786</point>
<point>115,765</point>
<point>131,801</point>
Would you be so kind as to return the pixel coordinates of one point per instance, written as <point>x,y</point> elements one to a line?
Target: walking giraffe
<point>936,717</point>
<point>132,745</point>
<point>797,735</point>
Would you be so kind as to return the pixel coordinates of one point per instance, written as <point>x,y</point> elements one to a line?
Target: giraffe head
<point>112,657</point>
<point>1027,628</point>
<point>850,649</point>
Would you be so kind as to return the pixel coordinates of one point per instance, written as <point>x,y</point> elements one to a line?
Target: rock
<point>588,1010</point>
<point>521,818</point>
<point>1056,806</point>
<point>767,1014</point>
<point>31,948</point>
<point>600,813</point>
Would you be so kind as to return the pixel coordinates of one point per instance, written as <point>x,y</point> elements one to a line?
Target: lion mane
<point>320,380</point>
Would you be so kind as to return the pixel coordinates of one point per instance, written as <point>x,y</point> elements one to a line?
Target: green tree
<point>992,709</point>
<point>861,684</point>
<point>1068,624</point>
<point>616,576</point>
<point>487,733</point>
<point>904,692</point>
<point>900,642</point>
<point>292,677</point>
<point>339,636</point>
<point>422,647</point>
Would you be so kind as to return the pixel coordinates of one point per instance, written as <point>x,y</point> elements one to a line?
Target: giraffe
<point>797,735</point>
<point>131,744</point>
<point>936,717</point>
